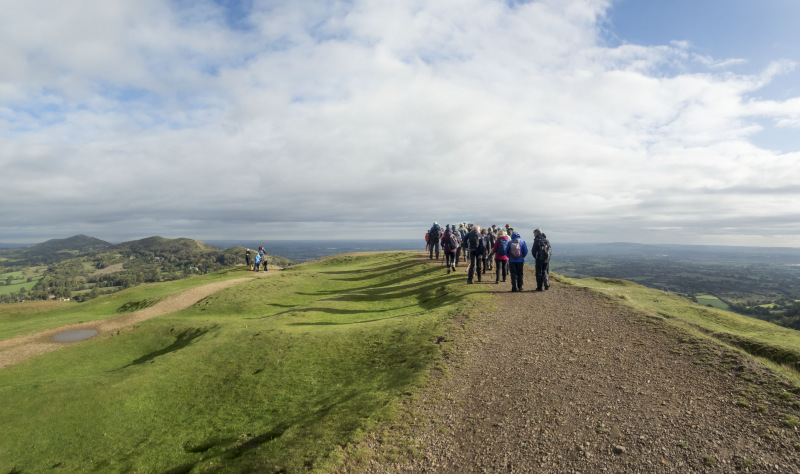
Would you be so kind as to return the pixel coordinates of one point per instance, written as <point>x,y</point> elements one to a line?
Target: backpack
<point>427,236</point>
<point>502,248</point>
<point>514,249</point>
<point>437,232</point>
<point>543,255</point>
<point>451,242</point>
<point>473,240</point>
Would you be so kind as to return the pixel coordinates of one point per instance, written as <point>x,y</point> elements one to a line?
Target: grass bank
<point>270,375</point>
<point>776,344</point>
<point>18,319</point>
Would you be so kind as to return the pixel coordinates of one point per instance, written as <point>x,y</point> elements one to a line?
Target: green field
<point>15,321</point>
<point>711,300</point>
<point>274,374</point>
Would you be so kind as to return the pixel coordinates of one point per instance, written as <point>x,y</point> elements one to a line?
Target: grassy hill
<point>83,268</point>
<point>271,375</point>
<point>276,374</point>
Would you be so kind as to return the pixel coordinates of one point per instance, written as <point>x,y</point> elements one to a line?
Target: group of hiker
<point>261,259</point>
<point>500,248</point>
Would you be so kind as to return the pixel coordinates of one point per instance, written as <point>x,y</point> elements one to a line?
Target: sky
<point>596,120</point>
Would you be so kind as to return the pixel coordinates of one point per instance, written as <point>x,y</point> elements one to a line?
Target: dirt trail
<point>566,380</point>
<point>13,351</point>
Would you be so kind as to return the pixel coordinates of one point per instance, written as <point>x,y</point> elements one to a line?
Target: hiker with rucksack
<point>487,249</point>
<point>491,238</point>
<point>477,249</point>
<point>517,251</point>
<point>263,254</point>
<point>541,252</point>
<point>433,240</point>
<point>462,252</point>
<point>450,245</point>
<point>500,251</point>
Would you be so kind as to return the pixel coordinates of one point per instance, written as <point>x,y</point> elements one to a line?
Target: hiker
<point>263,254</point>
<point>248,259</point>
<point>517,251</point>
<point>541,252</point>
<point>477,247</point>
<point>427,240</point>
<point>450,245</point>
<point>258,261</point>
<point>486,247</point>
<point>491,238</point>
<point>433,240</point>
<point>462,232</point>
<point>500,250</point>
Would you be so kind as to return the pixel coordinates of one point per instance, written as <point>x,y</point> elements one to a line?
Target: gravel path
<point>567,381</point>
<point>15,350</point>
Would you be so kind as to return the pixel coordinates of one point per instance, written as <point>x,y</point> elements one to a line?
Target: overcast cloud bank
<point>122,120</point>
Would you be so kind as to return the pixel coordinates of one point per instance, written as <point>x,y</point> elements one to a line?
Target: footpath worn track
<point>568,381</point>
<point>13,351</point>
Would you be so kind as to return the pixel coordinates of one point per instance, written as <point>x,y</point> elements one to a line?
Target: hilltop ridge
<point>570,380</point>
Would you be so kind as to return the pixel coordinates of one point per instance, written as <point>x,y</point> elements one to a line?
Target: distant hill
<point>78,243</point>
<point>54,250</point>
<point>158,244</point>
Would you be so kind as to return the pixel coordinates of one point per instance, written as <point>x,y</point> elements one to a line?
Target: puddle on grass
<point>74,336</point>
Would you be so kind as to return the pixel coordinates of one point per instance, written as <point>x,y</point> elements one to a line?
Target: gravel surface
<point>566,380</point>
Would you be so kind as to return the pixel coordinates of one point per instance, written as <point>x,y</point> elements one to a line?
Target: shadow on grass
<point>231,452</point>
<point>439,304</point>
<point>181,340</point>
<point>423,272</point>
<point>373,273</point>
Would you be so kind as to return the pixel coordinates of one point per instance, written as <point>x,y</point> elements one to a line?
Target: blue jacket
<point>515,237</point>
<point>432,230</point>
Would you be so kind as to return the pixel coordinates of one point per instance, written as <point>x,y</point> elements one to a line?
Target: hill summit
<point>78,243</point>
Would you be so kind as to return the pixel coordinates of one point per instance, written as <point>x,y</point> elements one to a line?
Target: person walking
<point>263,254</point>
<point>462,231</point>
<point>248,259</point>
<point>517,251</point>
<point>500,250</point>
<point>477,248</point>
<point>541,252</point>
<point>258,261</point>
<point>487,246</point>
<point>450,245</point>
<point>491,239</point>
<point>433,240</point>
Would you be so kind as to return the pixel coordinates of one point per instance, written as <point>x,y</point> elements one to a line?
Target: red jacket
<point>494,249</point>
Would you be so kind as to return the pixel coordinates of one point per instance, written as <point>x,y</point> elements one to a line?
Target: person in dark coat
<point>541,253</point>
<point>477,249</point>
<point>450,245</point>
<point>433,239</point>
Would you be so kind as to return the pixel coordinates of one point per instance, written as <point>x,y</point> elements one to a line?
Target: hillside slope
<point>569,380</point>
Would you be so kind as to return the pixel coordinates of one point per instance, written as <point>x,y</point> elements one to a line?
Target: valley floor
<point>568,381</point>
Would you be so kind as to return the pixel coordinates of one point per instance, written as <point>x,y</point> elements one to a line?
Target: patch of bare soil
<point>13,351</point>
<point>566,380</point>
<point>117,267</point>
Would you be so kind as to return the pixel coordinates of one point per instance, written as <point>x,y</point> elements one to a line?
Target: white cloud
<point>379,116</point>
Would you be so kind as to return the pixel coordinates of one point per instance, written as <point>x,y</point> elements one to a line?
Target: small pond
<point>74,336</point>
